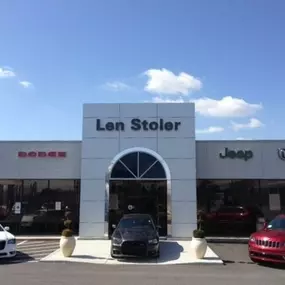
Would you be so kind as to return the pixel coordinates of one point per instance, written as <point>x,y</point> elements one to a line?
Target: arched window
<point>138,165</point>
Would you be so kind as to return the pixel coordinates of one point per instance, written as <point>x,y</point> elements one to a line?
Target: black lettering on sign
<point>98,125</point>
<point>136,124</point>
<point>239,154</point>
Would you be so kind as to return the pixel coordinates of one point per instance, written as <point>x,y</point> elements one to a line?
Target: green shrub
<point>67,224</point>
<point>67,233</point>
<point>200,219</point>
<point>198,234</point>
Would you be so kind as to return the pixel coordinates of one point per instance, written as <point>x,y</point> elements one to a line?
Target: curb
<point>209,239</point>
<point>227,240</point>
<point>219,262</point>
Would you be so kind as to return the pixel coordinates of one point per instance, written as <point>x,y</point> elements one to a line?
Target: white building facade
<point>131,155</point>
<point>165,131</point>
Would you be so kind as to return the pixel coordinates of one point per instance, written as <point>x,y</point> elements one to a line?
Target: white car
<point>7,243</point>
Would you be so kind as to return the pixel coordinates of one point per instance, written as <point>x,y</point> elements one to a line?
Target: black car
<point>135,236</point>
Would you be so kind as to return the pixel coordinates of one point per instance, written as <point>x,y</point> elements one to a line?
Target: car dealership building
<point>135,158</point>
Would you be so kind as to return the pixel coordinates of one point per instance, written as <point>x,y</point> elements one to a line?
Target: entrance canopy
<point>138,165</point>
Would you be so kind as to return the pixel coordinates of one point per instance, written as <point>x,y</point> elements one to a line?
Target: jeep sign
<point>239,154</point>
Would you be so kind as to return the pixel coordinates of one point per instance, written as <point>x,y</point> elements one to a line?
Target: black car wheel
<point>111,253</point>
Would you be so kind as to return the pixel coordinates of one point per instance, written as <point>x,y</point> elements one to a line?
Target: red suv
<point>234,219</point>
<point>268,245</point>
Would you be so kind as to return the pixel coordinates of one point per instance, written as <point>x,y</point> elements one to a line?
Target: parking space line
<point>40,250</point>
<point>22,242</point>
<point>30,245</point>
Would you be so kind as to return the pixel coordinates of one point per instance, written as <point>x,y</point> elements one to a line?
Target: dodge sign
<point>42,154</point>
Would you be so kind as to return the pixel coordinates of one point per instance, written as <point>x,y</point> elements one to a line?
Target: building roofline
<point>240,141</point>
<point>40,141</point>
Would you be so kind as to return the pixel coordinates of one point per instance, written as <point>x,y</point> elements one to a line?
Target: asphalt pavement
<point>42,273</point>
<point>231,253</point>
<point>237,270</point>
<point>32,251</point>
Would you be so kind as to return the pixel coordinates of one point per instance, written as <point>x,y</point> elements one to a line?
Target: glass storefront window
<point>272,197</point>
<point>138,165</point>
<point>121,171</point>
<point>10,206</point>
<point>146,161</point>
<point>130,161</point>
<point>35,193</point>
<point>39,206</point>
<point>230,207</point>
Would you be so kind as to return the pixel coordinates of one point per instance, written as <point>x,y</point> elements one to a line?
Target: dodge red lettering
<point>41,154</point>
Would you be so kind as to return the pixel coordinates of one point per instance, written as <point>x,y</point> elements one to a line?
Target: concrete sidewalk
<point>239,240</point>
<point>98,252</point>
<point>209,239</point>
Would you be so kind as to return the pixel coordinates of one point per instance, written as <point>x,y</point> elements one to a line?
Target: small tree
<point>67,232</point>
<point>199,232</point>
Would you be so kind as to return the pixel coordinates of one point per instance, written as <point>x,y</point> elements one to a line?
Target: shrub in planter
<point>198,242</point>
<point>67,240</point>
<point>198,234</point>
<point>67,233</point>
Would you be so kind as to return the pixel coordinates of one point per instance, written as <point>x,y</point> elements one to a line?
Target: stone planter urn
<point>67,241</point>
<point>199,244</point>
<point>67,245</point>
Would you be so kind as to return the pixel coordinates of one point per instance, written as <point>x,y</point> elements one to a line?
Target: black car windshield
<point>277,224</point>
<point>129,223</point>
<point>1,229</point>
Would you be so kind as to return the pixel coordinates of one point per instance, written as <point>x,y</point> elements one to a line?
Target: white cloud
<point>26,84</point>
<point>116,86</point>
<point>6,72</point>
<point>252,124</point>
<point>241,139</point>
<point>226,107</point>
<point>167,100</point>
<point>210,130</point>
<point>163,81</point>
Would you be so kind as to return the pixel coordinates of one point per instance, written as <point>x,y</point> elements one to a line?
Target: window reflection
<point>145,162</point>
<point>231,207</point>
<point>39,206</point>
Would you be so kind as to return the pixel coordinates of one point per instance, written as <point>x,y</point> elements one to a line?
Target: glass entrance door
<point>144,197</point>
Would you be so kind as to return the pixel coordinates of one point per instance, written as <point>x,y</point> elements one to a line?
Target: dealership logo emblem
<point>130,207</point>
<point>42,154</point>
<point>239,154</point>
<point>281,153</point>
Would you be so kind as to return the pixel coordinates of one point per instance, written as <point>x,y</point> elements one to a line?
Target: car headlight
<point>12,241</point>
<point>252,239</point>
<point>117,240</point>
<point>153,241</point>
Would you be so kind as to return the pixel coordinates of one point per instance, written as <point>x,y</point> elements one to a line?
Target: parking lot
<point>40,273</point>
<point>33,250</point>
<point>231,252</point>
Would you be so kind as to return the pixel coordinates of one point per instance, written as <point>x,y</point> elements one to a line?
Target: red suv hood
<point>270,234</point>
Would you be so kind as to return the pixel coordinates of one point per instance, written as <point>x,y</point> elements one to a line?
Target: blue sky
<point>228,56</point>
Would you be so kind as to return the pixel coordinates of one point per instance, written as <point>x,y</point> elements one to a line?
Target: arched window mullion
<point>152,165</point>
<point>138,165</point>
<point>128,169</point>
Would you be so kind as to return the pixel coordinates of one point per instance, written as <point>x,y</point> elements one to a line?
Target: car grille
<point>268,243</point>
<point>134,248</point>
<point>2,244</point>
